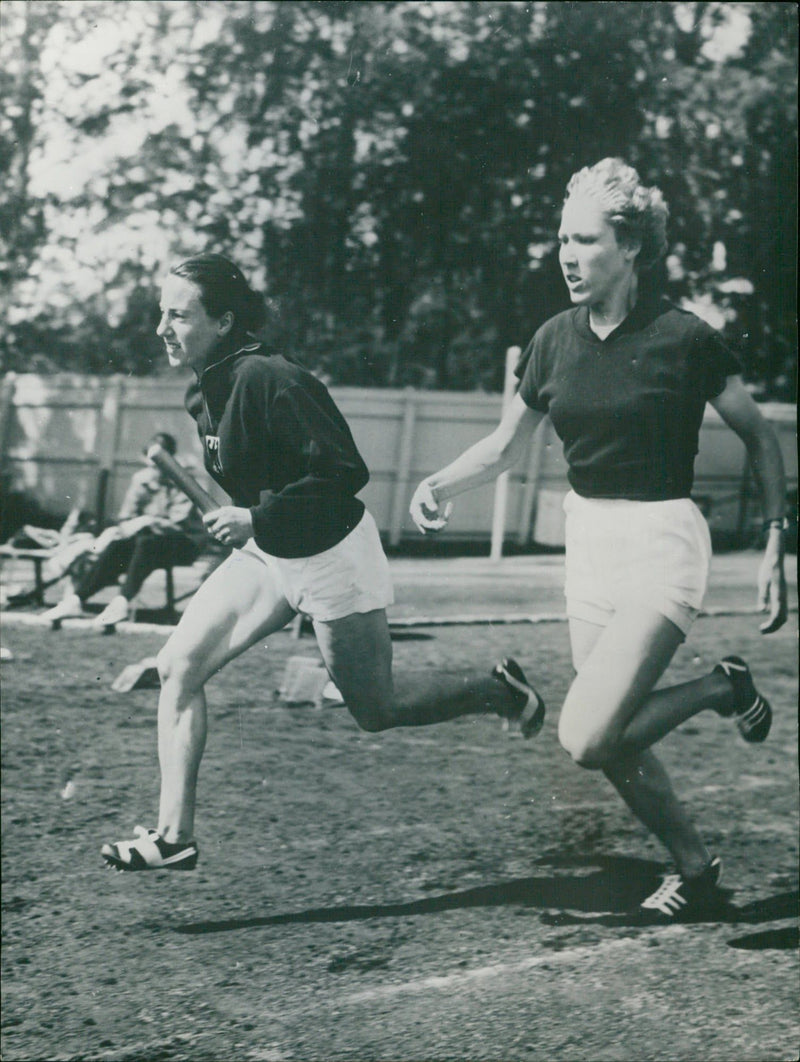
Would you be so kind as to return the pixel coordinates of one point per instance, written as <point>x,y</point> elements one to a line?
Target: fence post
<point>6,406</point>
<point>403,466</point>
<point>106,445</point>
<point>533,476</point>
<point>501,486</point>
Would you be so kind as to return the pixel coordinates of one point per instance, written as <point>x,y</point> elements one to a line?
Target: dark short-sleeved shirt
<point>276,442</point>
<point>628,409</point>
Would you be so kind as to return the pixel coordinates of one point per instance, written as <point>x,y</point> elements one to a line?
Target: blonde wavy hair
<point>637,214</point>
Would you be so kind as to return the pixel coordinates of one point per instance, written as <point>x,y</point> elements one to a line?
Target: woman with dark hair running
<point>624,377</point>
<point>274,440</point>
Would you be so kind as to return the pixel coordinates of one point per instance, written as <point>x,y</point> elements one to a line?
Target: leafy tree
<point>393,171</point>
<point>22,225</point>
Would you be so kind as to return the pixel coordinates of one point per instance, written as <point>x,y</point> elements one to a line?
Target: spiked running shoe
<point>529,708</point>
<point>680,899</point>
<point>149,851</point>
<point>752,711</point>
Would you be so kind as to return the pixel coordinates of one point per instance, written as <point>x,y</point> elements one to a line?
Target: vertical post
<point>6,409</point>
<point>403,466</point>
<point>501,486</point>
<point>108,431</point>
<point>533,475</point>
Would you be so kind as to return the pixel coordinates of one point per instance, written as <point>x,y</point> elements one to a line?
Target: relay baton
<point>182,479</point>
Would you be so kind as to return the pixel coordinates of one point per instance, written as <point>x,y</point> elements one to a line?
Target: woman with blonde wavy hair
<point>624,376</point>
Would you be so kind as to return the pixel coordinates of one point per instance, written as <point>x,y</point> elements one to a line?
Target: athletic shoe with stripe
<point>680,899</point>
<point>149,851</point>
<point>752,711</point>
<point>529,708</point>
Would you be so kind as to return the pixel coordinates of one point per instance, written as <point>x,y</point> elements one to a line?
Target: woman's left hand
<point>772,592</point>
<point>230,525</point>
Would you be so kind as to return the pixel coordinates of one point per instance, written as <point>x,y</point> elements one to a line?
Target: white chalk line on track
<point>27,619</point>
<point>448,982</point>
<point>436,983</point>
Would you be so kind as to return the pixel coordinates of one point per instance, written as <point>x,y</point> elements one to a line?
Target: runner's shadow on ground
<point>783,939</point>
<point>601,890</point>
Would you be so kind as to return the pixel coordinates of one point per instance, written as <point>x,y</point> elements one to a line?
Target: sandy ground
<point>439,893</point>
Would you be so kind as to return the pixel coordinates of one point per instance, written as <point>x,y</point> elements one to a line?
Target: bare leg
<point>617,669</point>
<point>237,605</point>
<point>643,784</point>
<point>357,651</point>
<point>611,705</point>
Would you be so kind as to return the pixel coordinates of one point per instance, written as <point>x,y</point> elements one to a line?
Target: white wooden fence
<point>62,436</point>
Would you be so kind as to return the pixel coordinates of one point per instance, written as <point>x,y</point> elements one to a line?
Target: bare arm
<point>481,463</point>
<point>736,407</point>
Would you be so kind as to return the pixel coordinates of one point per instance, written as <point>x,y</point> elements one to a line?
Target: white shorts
<point>352,576</point>
<point>623,552</point>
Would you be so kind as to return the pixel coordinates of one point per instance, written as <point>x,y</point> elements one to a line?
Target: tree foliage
<point>391,172</point>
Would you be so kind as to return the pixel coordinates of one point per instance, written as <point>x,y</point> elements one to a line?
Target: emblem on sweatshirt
<point>212,446</point>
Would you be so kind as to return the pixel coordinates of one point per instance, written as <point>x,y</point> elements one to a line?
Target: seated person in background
<point>60,550</point>
<point>157,527</point>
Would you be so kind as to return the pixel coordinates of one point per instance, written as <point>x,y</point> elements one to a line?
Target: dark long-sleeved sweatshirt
<point>275,441</point>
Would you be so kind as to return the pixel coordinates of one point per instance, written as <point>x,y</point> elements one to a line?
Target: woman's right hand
<point>772,589</point>
<point>425,510</point>
<point>232,525</point>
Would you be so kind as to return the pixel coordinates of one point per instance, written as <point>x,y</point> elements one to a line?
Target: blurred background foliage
<point>390,173</point>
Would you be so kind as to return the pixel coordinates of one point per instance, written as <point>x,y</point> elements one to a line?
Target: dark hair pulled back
<point>223,287</point>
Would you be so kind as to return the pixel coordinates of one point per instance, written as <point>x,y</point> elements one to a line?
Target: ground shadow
<point>783,939</point>
<point>605,891</point>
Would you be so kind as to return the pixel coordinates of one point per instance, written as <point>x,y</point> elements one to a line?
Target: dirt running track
<point>443,893</point>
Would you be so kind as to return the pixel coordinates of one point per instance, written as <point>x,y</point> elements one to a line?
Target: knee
<point>166,664</point>
<point>371,712</point>
<point>590,749</point>
<point>176,667</point>
<point>372,719</point>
